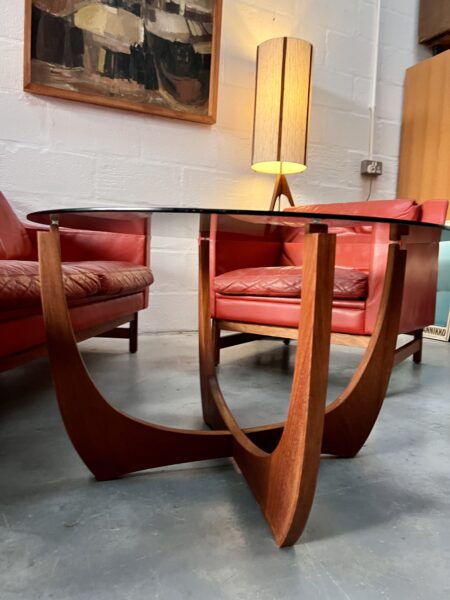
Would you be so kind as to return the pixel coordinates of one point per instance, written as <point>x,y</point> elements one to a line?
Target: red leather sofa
<point>106,278</point>
<point>256,285</point>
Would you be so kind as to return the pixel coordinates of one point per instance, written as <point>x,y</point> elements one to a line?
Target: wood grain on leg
<point>283,481</point>
<point>207,339</point>
<point>109,442</point>
<point>351,417</point>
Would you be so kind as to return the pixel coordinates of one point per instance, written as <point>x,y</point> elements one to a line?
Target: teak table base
<point>279,461</point>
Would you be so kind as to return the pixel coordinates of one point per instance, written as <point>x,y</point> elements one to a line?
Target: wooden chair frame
<point>110,329</point>
<point>250,332</point>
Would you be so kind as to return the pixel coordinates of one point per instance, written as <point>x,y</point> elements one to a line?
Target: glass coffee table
<point>280,461</point>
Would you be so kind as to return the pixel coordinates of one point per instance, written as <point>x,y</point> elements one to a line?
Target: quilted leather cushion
<point>287,282</point>
<point>20,283</point>
<point>118,277</point>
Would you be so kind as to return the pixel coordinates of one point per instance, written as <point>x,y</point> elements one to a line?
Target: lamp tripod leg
<point>281,188</point>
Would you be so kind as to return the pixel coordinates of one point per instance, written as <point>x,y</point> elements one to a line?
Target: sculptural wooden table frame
<point>280,461</point>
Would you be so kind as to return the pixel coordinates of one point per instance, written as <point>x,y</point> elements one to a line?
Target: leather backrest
<point>353,249</point>
<point>14,240</point>
<point>240,243</point>
<point>393,209</point>
<point>354,244</point>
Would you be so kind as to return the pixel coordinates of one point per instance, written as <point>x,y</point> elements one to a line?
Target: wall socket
<point>373,168</point>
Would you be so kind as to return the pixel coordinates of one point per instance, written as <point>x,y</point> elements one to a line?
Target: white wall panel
<point>56,153</point>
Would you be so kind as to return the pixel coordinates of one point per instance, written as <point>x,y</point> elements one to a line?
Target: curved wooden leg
<point>110,442</point>
<point>207,335</point>
<point>284,481</point>
<point>351,417</point>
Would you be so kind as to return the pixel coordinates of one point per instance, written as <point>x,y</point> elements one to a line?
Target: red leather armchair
<point>256,285</point>
<point>106,278</point>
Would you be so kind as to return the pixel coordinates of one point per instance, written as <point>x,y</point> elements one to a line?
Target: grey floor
<point>379,527</point>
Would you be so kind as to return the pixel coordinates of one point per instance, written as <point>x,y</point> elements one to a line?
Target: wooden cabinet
<point>434,22</point>
<point>424,169</point>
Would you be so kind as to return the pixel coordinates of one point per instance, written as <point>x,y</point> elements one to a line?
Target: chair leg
<point>216,341</point>
<point>417,356</point>
<point>134,334</point>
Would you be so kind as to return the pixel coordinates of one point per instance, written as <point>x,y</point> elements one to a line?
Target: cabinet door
<point>424,170</point>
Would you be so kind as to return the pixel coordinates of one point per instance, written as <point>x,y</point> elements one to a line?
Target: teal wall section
<point>443,294</point>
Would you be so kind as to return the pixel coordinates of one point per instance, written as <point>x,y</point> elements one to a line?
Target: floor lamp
<point>282,106</point>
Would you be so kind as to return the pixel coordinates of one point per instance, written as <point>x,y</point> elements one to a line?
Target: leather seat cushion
<point>286,282</point>
<point>20,282</point>
<point>117,278</point>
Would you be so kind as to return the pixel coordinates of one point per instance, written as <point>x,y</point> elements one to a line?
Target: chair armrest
<point>419,295</point>
<point>79,244</point>
<point>419,298</point>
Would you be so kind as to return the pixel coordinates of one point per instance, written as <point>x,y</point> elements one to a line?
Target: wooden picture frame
<point>174,76</point>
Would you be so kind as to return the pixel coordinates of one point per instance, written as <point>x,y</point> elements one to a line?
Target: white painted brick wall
<point>58,153</point>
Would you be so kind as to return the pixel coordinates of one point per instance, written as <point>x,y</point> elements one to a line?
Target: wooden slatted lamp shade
<point>282,107</point>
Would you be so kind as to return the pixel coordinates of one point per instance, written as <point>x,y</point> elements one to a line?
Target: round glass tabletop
<point>134,218</point>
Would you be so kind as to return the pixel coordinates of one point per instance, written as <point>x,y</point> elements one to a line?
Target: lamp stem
<point>281,188</point>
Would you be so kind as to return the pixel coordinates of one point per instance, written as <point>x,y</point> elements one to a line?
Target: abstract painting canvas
<point>152,56</point>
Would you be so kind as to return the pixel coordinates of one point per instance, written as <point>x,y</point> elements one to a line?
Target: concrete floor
<point>379,527</point>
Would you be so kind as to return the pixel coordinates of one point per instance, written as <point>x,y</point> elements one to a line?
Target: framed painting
<point>151,56</point>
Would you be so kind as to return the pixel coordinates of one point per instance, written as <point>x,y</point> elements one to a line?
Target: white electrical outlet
<point>373,168</point>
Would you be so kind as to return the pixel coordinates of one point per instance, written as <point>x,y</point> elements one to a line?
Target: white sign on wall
<point>438,332</point>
